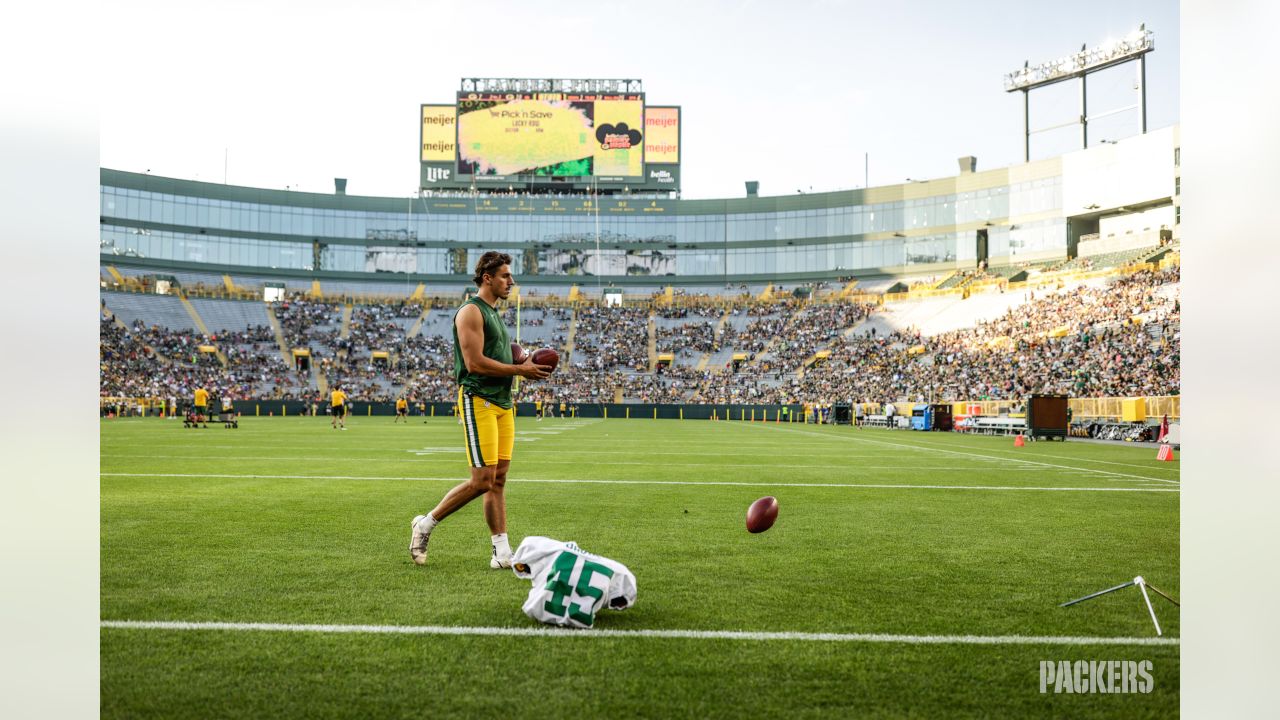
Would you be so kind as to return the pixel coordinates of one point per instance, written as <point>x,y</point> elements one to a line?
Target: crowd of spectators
<point>688,338</point>
<point>154,362</point>
<point>1100,350</point>
<point>1118,339</point>
<point>304,321</point>
<point>611,338</point>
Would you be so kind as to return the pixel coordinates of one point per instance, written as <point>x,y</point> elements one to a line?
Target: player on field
<point>338,408</point>
<point>402,410</point>
<point>228,411</point>
<point>483,369</point>
<point>202,406</point>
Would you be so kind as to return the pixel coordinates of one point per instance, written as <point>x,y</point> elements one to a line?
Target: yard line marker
<point>1090,460</point>
<point>309,453</point>
<point>454,479</point>
<point>536,460</point>
<point>550,632</point>
<point>967,454</point>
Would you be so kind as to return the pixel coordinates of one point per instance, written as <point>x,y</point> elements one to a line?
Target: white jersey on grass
<point>570,585</point>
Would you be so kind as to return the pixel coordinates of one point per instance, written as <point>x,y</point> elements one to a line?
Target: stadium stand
<point>1096,338</point>
<point>237,315</point>
<point>163,311</point>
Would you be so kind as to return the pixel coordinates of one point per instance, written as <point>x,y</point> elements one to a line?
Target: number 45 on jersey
<point>570,585</point>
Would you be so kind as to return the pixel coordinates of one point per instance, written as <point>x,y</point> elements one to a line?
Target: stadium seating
<point>164,311</point>
<point>235,315</point>
<point>992,344</point>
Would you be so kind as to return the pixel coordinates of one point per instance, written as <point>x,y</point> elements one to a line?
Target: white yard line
<point>458,451</point>
<point>977,455</point>
<point>455,479</point>
<point>348,454</point>
<point>549,632</point>
<point>1090,460</point>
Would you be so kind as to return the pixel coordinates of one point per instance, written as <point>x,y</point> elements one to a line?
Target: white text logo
<point>1096,676</point>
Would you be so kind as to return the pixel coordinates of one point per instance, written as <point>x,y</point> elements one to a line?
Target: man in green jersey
<point>482,366</point>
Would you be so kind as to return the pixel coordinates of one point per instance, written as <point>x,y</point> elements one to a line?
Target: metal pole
<point>1026,126</point>
<point>1094,595</point>
<point>1084,115</point>
<point>1143,587</point>
<point>1142,89</point>
<point>1157,591</point>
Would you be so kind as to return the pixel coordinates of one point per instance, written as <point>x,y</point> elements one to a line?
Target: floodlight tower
<point>1133,46</point>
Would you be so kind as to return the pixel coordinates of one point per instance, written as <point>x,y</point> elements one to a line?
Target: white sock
<point>501,545</point>
<point>431,522</point>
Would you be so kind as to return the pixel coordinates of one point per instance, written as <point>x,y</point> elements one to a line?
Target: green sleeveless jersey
<point>497,346</point>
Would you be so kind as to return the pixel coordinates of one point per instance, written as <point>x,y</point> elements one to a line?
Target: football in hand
<point>546,356</point>
<point>518,354</point>
<point>762,514</point>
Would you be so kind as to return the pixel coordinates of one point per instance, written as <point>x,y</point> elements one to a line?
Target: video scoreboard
<point>537,140</point>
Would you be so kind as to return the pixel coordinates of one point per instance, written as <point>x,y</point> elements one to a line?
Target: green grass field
<point>920,539</point>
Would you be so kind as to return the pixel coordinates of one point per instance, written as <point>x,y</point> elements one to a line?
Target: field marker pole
<point>1142,585</point>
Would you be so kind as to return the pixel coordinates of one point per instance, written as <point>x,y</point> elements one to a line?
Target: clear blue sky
<point>791,94</point>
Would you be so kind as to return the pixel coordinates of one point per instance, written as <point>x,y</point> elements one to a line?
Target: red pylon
<point>1019,441</point>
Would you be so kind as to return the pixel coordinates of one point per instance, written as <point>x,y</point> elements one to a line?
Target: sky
<point>806,95</point>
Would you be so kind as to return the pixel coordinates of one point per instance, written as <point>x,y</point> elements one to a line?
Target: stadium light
<point>565,85</point>
<point>1112,52</point>
<point>1132,47</point>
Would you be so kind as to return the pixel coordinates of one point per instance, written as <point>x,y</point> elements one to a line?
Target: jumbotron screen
<point>551,134</point>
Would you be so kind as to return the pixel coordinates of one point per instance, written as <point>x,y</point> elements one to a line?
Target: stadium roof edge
<point>800,201</point>
<point>985,179</point>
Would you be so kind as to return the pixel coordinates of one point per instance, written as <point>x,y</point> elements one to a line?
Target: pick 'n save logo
<point>617,137</point>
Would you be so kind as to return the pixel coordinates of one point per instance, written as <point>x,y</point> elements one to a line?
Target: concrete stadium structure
<point>1109,197</point>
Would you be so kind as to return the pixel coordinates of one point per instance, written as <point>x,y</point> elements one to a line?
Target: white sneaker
<point>418,541</point>
<point>499,562</point>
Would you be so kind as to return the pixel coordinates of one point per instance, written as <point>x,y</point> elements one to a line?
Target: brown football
<point>517,354</point>
<point>546,356</point>
<point>762,514</point>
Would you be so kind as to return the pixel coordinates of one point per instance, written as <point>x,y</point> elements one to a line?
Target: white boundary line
<point>662,634</point>
<point>125,453</point>
<point>455,479</point>
<point>978,455</point>
<point>540,461</point>
<point>1090,460</point>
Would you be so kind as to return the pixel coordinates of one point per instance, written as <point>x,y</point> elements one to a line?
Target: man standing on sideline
<point>483,369</point>
<point>338,408</point>
<point>202,406</point>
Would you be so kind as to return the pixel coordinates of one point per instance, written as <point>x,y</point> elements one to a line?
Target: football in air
<point>546,356</point>
<point>762,514</point>
<point>517,354</point>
